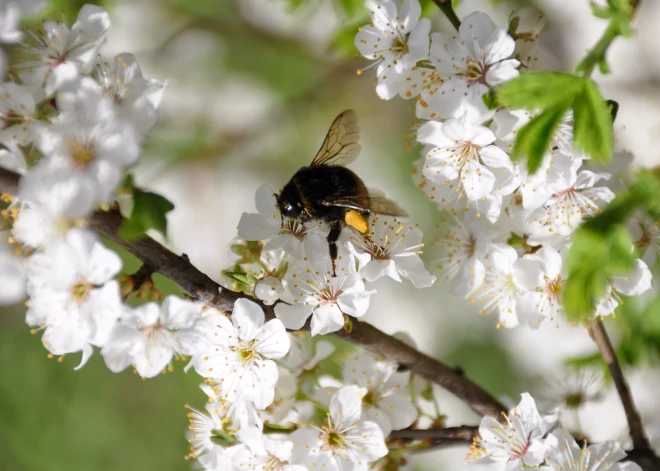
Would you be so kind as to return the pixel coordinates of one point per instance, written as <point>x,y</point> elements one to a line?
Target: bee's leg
<point>333,237</point>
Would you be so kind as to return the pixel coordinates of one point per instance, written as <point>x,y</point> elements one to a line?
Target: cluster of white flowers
<point>525,439</point>
<point>73,125</point>
<point>308,287</point>
<point>507,230</point>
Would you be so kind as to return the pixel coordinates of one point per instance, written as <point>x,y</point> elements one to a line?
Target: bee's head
<point>289,201</point>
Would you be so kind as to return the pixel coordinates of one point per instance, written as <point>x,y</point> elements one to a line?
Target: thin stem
<point>596,55</point>
<point>448,10</point>
<point>599,335</point>
<point>180,270</point>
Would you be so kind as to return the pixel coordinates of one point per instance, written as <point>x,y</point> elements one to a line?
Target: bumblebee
<point>330,192</point>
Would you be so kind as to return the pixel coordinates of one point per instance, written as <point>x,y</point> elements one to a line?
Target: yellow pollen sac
<point>356,220</point>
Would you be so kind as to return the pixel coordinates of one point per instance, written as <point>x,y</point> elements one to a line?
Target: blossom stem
<point>599,335</point>
<point>596,56</point>
<point>447,8</point>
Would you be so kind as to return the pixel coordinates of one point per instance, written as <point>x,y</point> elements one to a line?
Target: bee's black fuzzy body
<point>306,196</point>
<point>328,191</point>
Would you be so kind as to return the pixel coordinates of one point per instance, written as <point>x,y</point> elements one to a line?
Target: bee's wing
<point>340,146</point>
<point>377,203</point>
<point>382,205</point>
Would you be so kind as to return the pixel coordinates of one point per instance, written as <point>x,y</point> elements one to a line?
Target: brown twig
<point>599,335</point>
<point>200,286</point>
<point>465,433</point>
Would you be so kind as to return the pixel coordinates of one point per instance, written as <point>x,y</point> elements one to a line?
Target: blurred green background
<point>253,86</point>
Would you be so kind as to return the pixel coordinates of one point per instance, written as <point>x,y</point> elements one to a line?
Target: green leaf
<point>490,100</point>
<point>149,210</point>
<point>242,278</point>
<point>592,128</point>
<point>533,139</point>
<point>540,90</point>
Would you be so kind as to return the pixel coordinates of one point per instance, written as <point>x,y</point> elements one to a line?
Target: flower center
<point>332,440</point>
<point>470,246</point>
<point>370,398</point>
<point>246,352</point>
<point>400,45</point>
<point>82,153</point>
<point>273,463</point>
<point>475,72</point>
<point>518,451</point>
<point>80,291</point>
<point>553,287</point>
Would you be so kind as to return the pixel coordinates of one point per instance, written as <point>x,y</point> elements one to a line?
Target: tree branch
<point>599,335</point>
<point>201,287</point>
<point>465,433</point>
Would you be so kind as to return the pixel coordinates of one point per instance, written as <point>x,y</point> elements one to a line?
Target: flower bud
<point>526,23</point>
<point>268,289</point>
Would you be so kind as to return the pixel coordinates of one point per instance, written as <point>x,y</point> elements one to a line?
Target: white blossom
<point>36,227</point>
<point>268,289</point>
<point>18,124</point>
<point>149,336</point>
<point>206,433</point>
<point>479,58</point>
<point>544,283</point>
<point>63,55</point>
<point>396,40</point>
<point>288,234</point>
<point>517,443</point>
<point>72,294</point>
<point>387,401</point>
<point>647,238</point>
<point>503,285</point>
<point>564,454</point>
<point>313,290</point>
<point>265,454</point>
<point>464,248</point>
<point>86,149</point>
<point>241,353</point>
<point>573,202</point>
<point>571,391</point>
<point>525,26</point>
<point>633,283</point>
<point>390,249</point>
<point>137,99</point>
<point>464,163</point>
<point>344,442</point>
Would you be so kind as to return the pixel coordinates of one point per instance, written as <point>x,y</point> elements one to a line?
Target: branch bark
<point>201,287</point>
<point>465,433</point>
<point>599,335</point>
